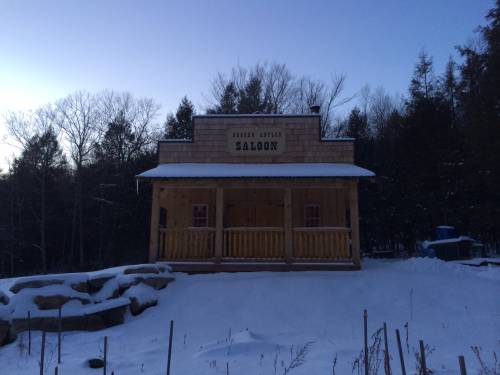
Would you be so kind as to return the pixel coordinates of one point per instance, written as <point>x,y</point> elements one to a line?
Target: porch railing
<point>187,244</point>
<point>321,243</point>
<point>254,243</point>
<point>259,243</point>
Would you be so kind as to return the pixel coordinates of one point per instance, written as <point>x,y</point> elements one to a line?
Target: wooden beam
<point>353,209</point>
<point>287,215</point>
<point>219,223</point>
<point>155,220</point>
<point>252,183</point>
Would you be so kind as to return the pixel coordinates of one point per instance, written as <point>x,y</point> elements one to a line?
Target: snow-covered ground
<point>250,320</point>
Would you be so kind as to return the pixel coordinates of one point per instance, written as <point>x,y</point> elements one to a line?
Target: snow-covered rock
<point>4,298</point>
<point>77,281</point>
<point>110,289</point>
<point>141,297</point>
<point>5,332</point>
<point>88,301</point>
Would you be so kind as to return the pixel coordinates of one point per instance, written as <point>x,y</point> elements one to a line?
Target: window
<point>200,215</point>
<point>311,215</point>
<point>163,217</point>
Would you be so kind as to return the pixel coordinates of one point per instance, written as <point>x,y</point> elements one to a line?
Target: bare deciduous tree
<point>329,97</point>
<point>279,88</point>
<point>281,92</point>
<point>78,116</point>
<point>381,105</point>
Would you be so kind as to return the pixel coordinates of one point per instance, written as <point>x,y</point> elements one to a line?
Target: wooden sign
<point>256,141</point>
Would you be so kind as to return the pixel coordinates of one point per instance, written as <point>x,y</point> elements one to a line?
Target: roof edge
<point>237,115</point>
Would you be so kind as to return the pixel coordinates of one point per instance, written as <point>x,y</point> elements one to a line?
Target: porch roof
<point>243,170</point>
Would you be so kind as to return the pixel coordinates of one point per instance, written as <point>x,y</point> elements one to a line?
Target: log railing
<point>186,244</point>
<point>321,243</point>
<point>254,243</point>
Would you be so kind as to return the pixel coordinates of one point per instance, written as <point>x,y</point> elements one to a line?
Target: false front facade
<point>255,192</point>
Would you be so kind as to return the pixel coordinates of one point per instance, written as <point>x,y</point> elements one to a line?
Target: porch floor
<point>202,266</point>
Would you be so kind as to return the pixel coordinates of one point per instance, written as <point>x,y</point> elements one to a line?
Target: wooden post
<point>56,371</point>
<point>29,332</point>
<point>59,324</point>
<point>42,354</point>
<point>170,346</point>
<point>387,364</point>
<point>365,320</point>
<point>155,220</point>
<point>287,216</point>
<point>400,350</point>
<point>219,223</point>
<point>104,369</point>
<point>423,364</point>
<point>353,209</point>
<point>461,362</point>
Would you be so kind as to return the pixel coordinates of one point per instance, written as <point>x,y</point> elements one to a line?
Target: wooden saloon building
<point>255,192</point>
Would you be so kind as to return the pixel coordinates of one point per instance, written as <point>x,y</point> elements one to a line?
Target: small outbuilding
<point>255,192</point>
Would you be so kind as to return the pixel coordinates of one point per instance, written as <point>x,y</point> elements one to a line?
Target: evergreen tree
<point>480,109</point>
<point>252,97</point>
<point>357,125</point>
<point>450,87</point>
<point>36,170</point>
<point>229,100</point>
<point>181,126</point>
<point>423,82</point>
<point>118,144</point>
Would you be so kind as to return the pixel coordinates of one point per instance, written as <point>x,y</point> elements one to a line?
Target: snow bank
<point>437,266</point>
<point>242,343</point>
<point>450,306</point>
<point>5,312</point>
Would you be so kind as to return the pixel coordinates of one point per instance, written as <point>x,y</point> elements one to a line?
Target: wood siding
<point>303,142</point>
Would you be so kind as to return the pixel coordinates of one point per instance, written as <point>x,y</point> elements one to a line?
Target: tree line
<point>70,201</point>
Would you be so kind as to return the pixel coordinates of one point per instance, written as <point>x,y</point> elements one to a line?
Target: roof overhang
<point>244,170</point>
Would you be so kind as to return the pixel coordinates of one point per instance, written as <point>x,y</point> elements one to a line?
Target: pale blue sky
<point>167,49</point>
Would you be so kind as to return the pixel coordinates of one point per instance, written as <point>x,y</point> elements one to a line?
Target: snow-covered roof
<point>235,115</point>
<point>427,244</point>
<point>239,170</point>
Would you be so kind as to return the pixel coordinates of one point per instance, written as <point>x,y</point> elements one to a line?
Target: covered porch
<point>231,224</point>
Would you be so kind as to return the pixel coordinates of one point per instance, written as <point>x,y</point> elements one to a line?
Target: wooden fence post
<point>105,367</point>
<point>387,364</point>
<point>400,350</point>
<point>59,328</point>
<point>42,354</point>
<point>29,332</point>
<point>461,362</point>
<point>170,346</point>
<point>423,364</point>
<point>365,321</point>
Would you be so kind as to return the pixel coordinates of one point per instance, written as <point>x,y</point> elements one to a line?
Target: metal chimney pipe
<point>314,108</point>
